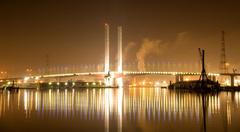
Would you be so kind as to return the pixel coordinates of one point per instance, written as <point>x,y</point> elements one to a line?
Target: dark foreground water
<point>118,110</point>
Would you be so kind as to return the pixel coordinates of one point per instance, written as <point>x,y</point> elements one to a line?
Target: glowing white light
<point>37,78</point>
<point>109,80</point>
<point>25,100</point>
<point>227,82</point>
<point>106,110</point>
<point>120,82</point>
<point>120,107</point>
<point>26,78</point>
<point>157,84</point>
<point>112,75</point>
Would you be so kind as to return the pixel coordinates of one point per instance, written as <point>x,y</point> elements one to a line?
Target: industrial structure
<point>223,62</point>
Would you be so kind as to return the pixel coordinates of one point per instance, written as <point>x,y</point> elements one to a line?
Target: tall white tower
<point>106,49</point>
<point>120,49</point>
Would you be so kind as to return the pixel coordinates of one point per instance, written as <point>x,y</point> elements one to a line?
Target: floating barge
<point>197,85</point>
<point>229,88</point>
<point>202,85</point>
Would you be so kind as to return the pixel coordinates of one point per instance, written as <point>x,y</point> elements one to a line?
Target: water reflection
<point>127,109</point>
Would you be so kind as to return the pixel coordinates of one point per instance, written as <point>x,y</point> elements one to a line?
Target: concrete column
<point>181,78</point>
<point>232,81</point>
<point>214,78</point>
<point>176,78</point>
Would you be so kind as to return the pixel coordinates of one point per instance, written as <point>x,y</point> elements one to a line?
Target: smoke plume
<point>148,47</point>
<point>181,40</point>
<point>127,50</point>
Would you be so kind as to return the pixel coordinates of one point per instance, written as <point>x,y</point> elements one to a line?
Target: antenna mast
<point>223,63</point>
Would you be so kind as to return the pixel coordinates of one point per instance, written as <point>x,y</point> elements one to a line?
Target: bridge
<point>179,76</point>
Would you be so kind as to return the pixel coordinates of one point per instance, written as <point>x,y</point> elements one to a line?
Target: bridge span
<point>179,76</point>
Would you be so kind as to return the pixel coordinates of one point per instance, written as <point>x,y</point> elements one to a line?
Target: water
<point>118,110</point>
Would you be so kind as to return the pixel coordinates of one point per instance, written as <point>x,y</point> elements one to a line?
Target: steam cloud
<point>154,47</point>
<point>148,47</point>
<point>128,49</point>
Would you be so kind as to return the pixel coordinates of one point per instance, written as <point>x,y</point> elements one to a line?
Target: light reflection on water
<point>123,109</point>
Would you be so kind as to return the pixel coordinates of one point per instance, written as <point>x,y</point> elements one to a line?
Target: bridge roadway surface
<point>179,75</point>
<point>125,73</point>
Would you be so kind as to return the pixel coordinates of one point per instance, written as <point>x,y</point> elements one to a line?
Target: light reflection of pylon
<point>106,110</point>
<point>120,107</point>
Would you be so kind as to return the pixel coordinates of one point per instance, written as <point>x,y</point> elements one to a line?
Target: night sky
<point>72,32</point>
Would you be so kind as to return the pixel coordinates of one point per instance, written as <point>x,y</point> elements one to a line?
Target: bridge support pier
<point>213,78</point>
<point>176,78</point>
<point>179,78</point>
<point>232,80</point>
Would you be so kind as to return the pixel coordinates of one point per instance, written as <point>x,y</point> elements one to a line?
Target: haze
<point>72,32</point>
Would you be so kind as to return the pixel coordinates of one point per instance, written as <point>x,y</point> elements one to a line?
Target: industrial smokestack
<point>120,49</point>
<point>106,48</point>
